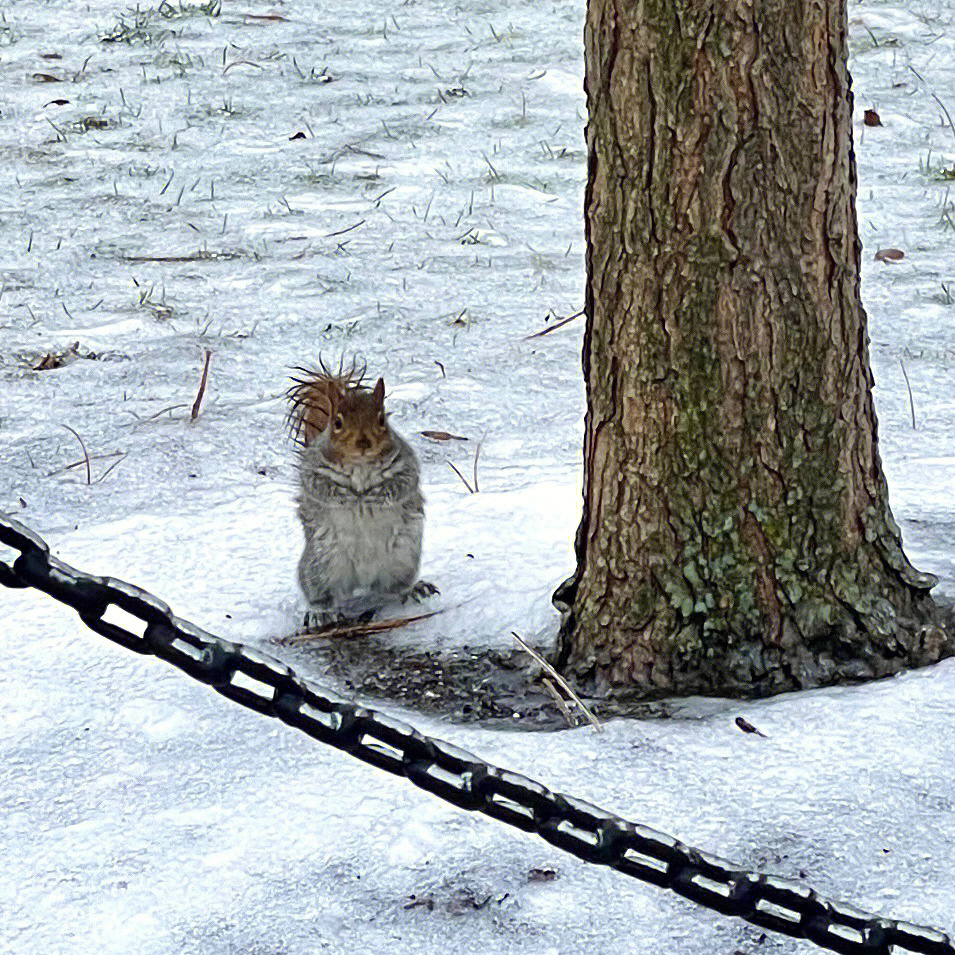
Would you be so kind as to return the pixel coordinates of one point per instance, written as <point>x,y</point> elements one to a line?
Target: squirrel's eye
<point>381,419</point>
<point>339,423</point>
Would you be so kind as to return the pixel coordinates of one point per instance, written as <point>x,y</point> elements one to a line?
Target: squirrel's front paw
<point>316,620</point>
<point>421,591</point>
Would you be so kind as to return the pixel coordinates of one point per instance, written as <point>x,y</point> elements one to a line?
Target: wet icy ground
<point>402,181</point>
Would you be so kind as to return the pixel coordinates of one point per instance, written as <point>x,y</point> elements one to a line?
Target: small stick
<point>561,705</point>
<point>202,386</point>
<point>464,480</point>
<point>554,327</point>
<point>86,454</point>
<point>561,682</point>
<point>907,385</point>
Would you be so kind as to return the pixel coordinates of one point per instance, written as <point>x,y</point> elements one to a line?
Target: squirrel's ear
<point>379,393</point>
<point>334,393</point>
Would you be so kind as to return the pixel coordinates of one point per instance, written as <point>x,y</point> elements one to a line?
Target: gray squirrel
<point>359,500</point>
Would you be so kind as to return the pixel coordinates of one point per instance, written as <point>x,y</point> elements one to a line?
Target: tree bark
<point>736,534</point>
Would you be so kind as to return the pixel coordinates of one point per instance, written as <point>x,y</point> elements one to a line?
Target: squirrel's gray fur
<point>363,525</point>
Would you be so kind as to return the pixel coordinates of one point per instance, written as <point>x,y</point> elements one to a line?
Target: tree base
<point>666,657</point>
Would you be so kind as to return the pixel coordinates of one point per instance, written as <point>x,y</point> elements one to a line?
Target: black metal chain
<point>267,686</point>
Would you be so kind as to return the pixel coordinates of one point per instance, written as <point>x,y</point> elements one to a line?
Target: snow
<point>139,810</point>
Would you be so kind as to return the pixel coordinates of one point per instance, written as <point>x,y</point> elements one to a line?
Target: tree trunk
<point>736,534</point>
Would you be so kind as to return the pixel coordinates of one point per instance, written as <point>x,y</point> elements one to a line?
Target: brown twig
<point>561,682</point>
<point>554,327</point>
<point>86,454</point>
<point>202,386</point>
<point>356,629</point>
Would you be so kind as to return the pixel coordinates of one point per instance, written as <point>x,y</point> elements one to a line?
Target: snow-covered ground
<point>403,181</point>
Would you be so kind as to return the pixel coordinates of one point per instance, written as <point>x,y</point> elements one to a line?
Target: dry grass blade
<point>561,704</point>
<point>202,255</point>
<point>346,630</point>
<point>76,464</point>
<point>107,472</point>
<point>561,682</point>
<point>554,327</point>
<point>242,63</point>
<point>86,454</point>
<point>202,386</point>
<point>905,375</point>
<point>477,454</point>
<point>464,480</point>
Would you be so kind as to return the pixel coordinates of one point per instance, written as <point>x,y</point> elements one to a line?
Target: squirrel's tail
<point>314,394</point>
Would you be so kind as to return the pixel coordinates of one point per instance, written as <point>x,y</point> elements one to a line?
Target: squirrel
<point>359,500</point>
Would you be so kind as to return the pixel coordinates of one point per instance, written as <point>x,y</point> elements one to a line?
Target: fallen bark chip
<point>298,135</point>
<point>871,118</point>
<point>541,875</point>
<point>443,436</point>
<point>46,78</point>
<point>58,102</point>
<point>420,902</point>
<point>889,255</point>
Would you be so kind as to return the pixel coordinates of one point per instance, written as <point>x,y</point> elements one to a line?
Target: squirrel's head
<point>357,431</point>
<point>336,414</point>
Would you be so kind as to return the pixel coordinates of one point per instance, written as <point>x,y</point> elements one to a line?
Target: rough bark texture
<point>736,534</point>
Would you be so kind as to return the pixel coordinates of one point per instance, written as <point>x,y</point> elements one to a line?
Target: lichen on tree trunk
<point>736,533</point>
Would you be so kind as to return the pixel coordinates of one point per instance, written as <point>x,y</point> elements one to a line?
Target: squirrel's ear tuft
<point>379,393</point>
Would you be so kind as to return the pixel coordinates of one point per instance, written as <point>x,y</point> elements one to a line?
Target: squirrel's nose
<point>363,444</point>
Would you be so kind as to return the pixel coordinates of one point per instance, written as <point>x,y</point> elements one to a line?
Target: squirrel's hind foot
<point>422,590</point>
<point>317,620</point>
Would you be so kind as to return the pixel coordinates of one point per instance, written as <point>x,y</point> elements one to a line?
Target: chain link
<point>266,685</point>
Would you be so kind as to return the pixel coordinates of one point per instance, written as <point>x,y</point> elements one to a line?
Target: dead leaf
<point>58,102</point>
<point>889,255</point>
<point>871,118</point>
<point>443,436</point>
<point>748,727</point>
<point>541,875</point>
<point>298,135</point>
<point>94,122</point>
<point>46,78</point>
<point>424,902</point>
<point>265,17</point>
<point>50,56</point>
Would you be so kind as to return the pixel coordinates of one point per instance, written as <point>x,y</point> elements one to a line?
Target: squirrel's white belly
<point>371,554</point>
